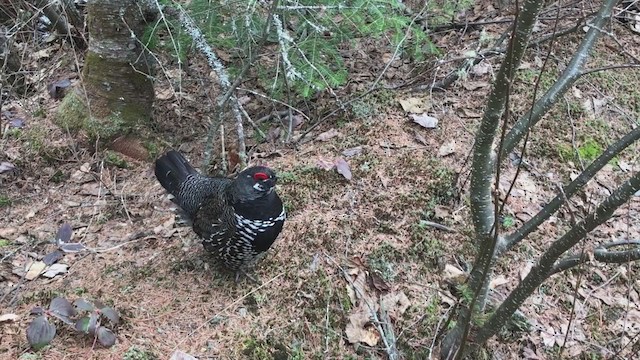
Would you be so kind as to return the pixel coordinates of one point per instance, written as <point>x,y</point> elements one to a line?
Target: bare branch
<point>547,261</point>
<point>573,187</point>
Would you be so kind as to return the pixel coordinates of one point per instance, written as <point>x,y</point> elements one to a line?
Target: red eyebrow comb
<point>260,176</point>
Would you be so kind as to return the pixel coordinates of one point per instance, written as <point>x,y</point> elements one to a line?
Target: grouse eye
<point>260,176</point>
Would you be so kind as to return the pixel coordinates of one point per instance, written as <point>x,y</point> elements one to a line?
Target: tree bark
<point>117,90</point>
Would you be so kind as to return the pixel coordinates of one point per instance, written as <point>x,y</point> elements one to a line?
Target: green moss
<point>590,150</point>
<point>4,201</point>
<point>565,152</point>
<point>383,261</point>
<point>134,353</point>
<point>72,113</point>
<point>114,159</point>
<point>4,242</point>
<point>255,349</point>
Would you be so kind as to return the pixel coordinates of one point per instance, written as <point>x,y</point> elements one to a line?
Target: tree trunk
<point>116,96</point>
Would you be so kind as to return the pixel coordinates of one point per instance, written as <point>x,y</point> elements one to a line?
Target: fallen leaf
<point>52,257</point>
<point>58,89</point>
<point>298,120</point>
<point>395,304</point>
<point>352,151</point>
<point>64,234</point>
<point>424,120</point>
<point>6,232</point>
<point>327,135</point>
<point>6,167</point>
<point>72,247</point>
<point>453,274</point>
<point>55,269</point>
<point>8,317</point>
<point>324,164</point>
<point>180,355</point>
<point>357,329</point>
<point>447,149</point>
<point>414,105</point>
<point>378,282</point>
<point>498,281</point>
<point>17,123</point>
<point>441,212</point>
<point>481,68</point>
<point>35,270</point>
<point>525,270</point>
<point>343,168</point>
<point>164,93</point>
<point>624,166</point>
<point>356,289</point>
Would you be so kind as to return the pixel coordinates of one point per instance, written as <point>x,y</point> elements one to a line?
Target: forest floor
<point>346,243</point>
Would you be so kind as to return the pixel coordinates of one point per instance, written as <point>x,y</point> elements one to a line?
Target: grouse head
<point>254,183</point>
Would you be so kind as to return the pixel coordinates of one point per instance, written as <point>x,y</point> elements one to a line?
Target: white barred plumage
<point>238,220</point>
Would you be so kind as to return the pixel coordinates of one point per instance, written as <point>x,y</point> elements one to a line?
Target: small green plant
<point>83,316</point>
<point>112,158</point>
<point>590,150</point>
<point>309,58</point>
<point>508,222</point>
<point>382,261</point>
<point>134,353</point>
<point>287,177</point>
<point>4,201</point>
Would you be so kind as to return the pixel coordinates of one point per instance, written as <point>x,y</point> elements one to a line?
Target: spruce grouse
<point>238,220</point>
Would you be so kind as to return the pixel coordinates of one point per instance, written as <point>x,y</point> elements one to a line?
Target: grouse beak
<point>271,182</point>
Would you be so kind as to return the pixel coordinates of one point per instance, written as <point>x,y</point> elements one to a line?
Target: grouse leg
<point>248,276</point>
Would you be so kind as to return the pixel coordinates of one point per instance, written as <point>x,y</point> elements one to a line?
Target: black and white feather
<point>238,220</point>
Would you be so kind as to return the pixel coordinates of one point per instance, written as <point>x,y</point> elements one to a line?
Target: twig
<point>223,77</point>
<point>387,337</point>
<point>610,67</point>
<point>252,123</point>
<point>436,225</point>
<point>143,235</point>
<point>398,47</point>
<point>223,150</point>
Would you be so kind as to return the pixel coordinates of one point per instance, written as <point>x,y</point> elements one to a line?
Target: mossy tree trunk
<point>115,98</point>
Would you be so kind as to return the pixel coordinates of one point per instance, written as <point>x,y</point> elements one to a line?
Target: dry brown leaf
<point>525,270</point>
<point>425,120</point>
<point>181,355</point>
<point>343,168</point>
<point>328,135</point>
<point>55,269</point>
<point>481,68</point>
<point>358,328</point>
<point>420,138</point>
<point>414,105</point>
<point>352,151</point>
<point>8,317</point>
<point>441,212</point>
<point>378,282</point>
<point>453,274</point>
<point>498,281</point>
<point>474,85</point>
<point>358,288</point>
<point>165,93</point>
<point>324,164</point>
<point>35,269</point>
<point>447,149</point>
<point>395,303</point>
